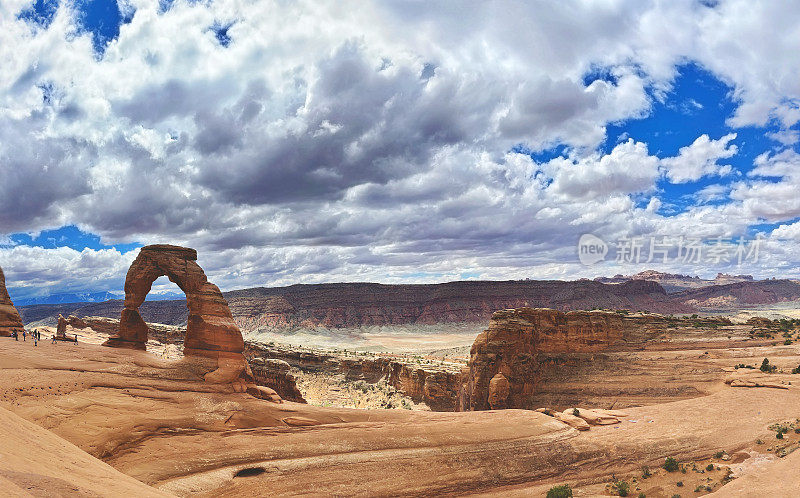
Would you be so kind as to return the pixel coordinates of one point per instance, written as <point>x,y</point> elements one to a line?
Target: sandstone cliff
<point>10,320</point>
<point>436,386</point>
<point>355,305</point>
<point>508,359</point>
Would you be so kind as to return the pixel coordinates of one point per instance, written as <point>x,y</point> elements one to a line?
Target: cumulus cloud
<point>700,159</point>
<point>309,146</point>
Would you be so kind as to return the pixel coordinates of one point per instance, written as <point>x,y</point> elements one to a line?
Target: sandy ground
<point>153,419</point>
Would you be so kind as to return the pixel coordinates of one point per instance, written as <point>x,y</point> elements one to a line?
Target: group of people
<point>36,335</point>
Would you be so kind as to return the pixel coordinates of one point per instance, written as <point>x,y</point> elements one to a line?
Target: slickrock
<point>593,417</point>
<point>751,383</point>
<point>512,345</point>
<point>572,420</point>
<point>10,320</point>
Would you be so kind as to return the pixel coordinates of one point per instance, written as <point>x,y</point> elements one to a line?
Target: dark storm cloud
<point>361,124</point>
<point>39,173</point>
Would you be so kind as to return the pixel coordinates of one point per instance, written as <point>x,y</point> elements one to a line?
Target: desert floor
<point>82,419</point>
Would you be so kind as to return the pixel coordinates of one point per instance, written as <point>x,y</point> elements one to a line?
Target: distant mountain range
<point>673,282</point>
<point>357,305</point>
<point>90,297</point>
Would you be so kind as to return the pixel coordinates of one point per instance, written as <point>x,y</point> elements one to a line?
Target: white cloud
<point>700,159</point>
<point>322,146</point>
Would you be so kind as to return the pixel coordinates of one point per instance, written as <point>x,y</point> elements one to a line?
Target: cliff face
<point>508,359</point>
<point>275,374</point>
<point>353,305</point>
<point>437,387</point>
<point>10,320</point>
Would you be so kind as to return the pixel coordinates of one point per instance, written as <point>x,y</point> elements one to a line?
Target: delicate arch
<point>210,329</point>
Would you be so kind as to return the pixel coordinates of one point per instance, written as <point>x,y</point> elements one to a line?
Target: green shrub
<point>766,367</point>
<point>779,435</point>
<point>719,454</point>
<point>796,370</point>
<point>562,491</point>
<point>670,464</point>
<point>622,488</point>
<point>576,412</point>
<point>642,495</point>
<point>646,472</point>
<point>679,484</point>
<point>710,467</point>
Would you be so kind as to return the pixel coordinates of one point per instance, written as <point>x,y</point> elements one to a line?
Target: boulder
<point>10,320</point>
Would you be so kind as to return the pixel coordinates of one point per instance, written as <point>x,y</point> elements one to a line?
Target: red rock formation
<point>505,363</point>
<point>275,374</point>
<point>210,328</point>
<point>210,331</point>
<point>10,321</point>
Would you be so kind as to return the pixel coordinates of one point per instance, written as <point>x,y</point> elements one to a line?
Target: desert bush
<point>622,488</point>
<point>670,464</point>
<point>719,454</point>
<point>679,484</point>
<point>646,472</point>
<point>766,367</point>
<point>576,412</point>
<point>779,435</point>
<point>796,370</point>
<point>562,491</point>
<point>710,467</point>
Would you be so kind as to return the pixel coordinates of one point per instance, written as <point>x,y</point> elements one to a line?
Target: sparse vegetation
<point>710,467</point>
<point>562,491</point>
<point>646,472</point>
<point>766,367</point>
<point>670,464</point>
<point>679,484</point>
<point>576,412</point>
<point>622,488</point>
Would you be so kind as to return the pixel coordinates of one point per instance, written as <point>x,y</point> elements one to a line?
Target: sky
<point>396,141</point>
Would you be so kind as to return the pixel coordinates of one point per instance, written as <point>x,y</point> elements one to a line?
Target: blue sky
<point>322,148</point>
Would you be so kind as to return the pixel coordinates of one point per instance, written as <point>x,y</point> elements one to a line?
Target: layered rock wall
<point>10,320</point>
<point>508,359</point>
<point>276,374</point>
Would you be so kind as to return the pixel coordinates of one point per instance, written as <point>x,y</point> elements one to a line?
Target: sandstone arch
<point>210,329</point>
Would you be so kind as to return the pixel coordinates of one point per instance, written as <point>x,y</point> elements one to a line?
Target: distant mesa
<point>675,282</point>
<point>10,320</point>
